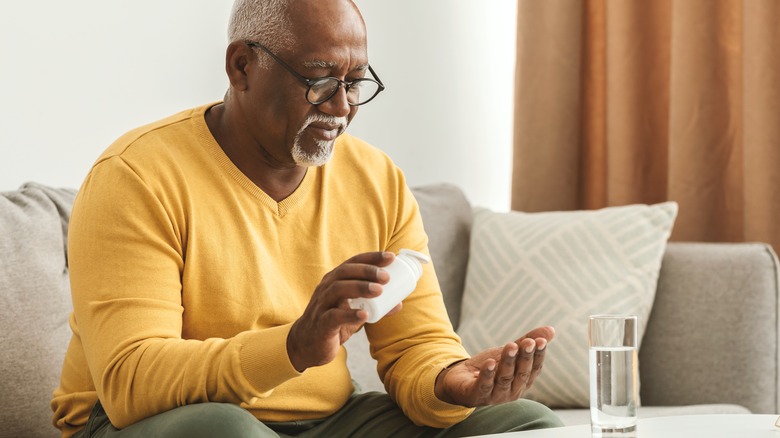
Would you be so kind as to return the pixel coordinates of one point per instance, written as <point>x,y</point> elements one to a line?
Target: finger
<point>546,332</point>
<point>334,320</point>
<point>524,365</point>
<point>541,349</point>
<point>338,294</point>
<point>359,271</point>
<point>485,382</point>
<point>505,374</point>
<point>376,258</point>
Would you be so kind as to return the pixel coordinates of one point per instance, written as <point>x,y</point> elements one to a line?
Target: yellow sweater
<point>186,278</point>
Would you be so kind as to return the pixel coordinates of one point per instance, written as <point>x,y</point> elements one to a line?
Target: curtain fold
<point>621,102</point>
<point>547,113</point>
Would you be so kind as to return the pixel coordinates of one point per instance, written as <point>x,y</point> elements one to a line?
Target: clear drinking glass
<point>613,375</point>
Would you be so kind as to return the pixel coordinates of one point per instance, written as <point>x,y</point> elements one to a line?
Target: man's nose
<point>337,105</point>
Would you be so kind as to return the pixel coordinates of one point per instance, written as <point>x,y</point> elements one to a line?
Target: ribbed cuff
<point>442,414</point>
<point>264,359</point>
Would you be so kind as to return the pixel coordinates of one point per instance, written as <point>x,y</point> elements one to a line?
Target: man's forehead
<point>320,63</point>
<point>327,23</point>
<point>329,34</point>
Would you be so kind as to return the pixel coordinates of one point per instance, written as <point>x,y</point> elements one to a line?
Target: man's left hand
<point>496,375</point>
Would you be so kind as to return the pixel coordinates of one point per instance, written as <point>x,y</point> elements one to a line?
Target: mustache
<point>341,122</point>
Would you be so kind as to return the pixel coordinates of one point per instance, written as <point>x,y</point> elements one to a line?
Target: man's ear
<point>237,59</point>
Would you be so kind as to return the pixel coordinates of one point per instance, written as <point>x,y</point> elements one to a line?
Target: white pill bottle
<point>404,272</point>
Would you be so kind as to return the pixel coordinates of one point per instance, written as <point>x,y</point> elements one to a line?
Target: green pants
<point>365,415</point>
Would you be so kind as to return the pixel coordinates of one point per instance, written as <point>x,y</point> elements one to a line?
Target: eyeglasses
<point>319,90</point>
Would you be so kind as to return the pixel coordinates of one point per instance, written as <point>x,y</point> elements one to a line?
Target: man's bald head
<point>262,20</point>
<point>269,21</point>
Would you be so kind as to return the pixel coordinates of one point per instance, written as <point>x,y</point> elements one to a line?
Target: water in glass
<point>613,388</point>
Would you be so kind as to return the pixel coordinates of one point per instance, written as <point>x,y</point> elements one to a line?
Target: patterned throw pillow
<point>532,269</point>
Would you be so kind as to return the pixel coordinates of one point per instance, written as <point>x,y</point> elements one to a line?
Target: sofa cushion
<point>447,219</point>
<point>35,306</point>
<point>556,268</point>
<point>716,310</point>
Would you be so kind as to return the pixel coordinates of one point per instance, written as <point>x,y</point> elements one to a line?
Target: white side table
<point>682,426</point>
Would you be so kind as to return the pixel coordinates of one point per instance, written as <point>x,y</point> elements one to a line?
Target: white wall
<point>447,112</point>
<point>76,75</point>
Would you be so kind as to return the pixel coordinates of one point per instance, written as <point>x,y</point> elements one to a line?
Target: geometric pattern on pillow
<point>556,268</point>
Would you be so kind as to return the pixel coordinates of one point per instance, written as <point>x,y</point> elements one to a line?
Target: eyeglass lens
<point>361,91</point>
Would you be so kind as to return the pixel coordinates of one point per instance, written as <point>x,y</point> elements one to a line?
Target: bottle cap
<point>416,254</point>
<point>415,260</point>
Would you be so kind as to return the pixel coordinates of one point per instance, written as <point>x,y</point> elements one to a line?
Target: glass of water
<point>614,375</point>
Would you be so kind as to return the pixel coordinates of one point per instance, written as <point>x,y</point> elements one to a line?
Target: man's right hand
<point>328,321</point>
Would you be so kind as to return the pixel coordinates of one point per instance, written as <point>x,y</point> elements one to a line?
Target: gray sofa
<point>711,344</point>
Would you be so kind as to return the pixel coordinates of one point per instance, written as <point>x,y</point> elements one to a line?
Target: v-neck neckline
<point>280,208</point>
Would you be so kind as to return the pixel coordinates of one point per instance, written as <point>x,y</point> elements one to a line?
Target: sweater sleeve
<point>413,346</point>
<point>126,247</point>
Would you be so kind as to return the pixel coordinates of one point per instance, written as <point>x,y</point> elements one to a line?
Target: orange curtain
<point>621,102</point>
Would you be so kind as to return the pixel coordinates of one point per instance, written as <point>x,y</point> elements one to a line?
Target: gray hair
<point>264,21</point>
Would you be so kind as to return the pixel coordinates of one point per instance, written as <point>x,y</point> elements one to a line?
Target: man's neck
<point>277,181</point>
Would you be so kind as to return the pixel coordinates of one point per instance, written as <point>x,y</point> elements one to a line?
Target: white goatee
<point>324,150</point>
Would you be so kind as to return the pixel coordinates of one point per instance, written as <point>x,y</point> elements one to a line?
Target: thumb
<point>546,332</point>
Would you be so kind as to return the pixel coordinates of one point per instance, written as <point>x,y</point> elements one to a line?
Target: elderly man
<point>213,255</point>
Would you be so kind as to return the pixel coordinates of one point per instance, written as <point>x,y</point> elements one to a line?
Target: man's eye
<point>324,85</point>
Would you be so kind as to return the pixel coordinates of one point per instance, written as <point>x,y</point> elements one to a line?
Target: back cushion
<point>36,304</point>
<point>447,217</point>
<point>729,294</point>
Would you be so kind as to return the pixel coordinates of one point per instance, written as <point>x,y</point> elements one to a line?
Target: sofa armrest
<point>712,336</point>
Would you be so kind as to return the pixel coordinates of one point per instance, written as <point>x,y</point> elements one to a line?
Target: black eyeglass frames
<point>318,90</point>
